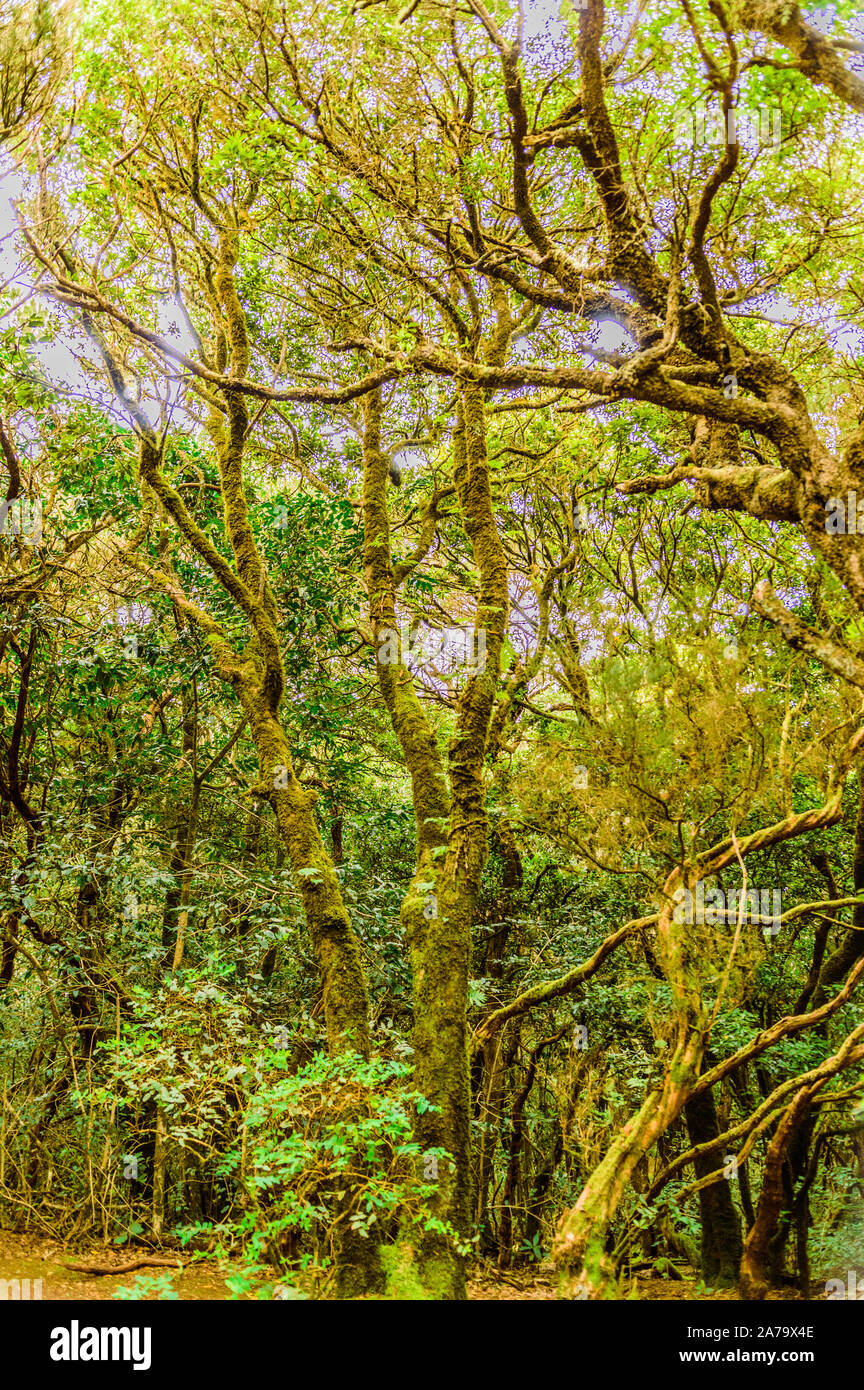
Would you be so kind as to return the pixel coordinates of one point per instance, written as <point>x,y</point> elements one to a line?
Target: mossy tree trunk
<point>757,1248</point>
<point>579,1246</point>
<point>257,673</point>
<point>438,909</point>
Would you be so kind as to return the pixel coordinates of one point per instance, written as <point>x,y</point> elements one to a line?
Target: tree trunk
<point>722,1246</point>
<point>438,910</point>
<point>757,1247</point>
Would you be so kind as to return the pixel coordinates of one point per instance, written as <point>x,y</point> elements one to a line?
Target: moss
<point>439,941</point>
<point>360,1271</point>
<point>417,741</point>
<point>402,1277</point>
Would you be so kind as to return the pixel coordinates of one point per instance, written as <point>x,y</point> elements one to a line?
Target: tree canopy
<point>432,638</point>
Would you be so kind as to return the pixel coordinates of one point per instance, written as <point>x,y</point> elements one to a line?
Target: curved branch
<point>554,989</point>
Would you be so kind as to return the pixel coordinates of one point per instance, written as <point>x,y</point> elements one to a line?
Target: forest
<point>432,648</point>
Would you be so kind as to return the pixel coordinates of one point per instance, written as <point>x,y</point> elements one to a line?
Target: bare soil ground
<point>531,1285</point>
<point>35,1257</point>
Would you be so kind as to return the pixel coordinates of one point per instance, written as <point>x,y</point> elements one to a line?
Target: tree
<point>307,258</point>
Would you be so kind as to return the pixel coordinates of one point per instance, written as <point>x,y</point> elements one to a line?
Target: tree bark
<point>722,1245</point>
